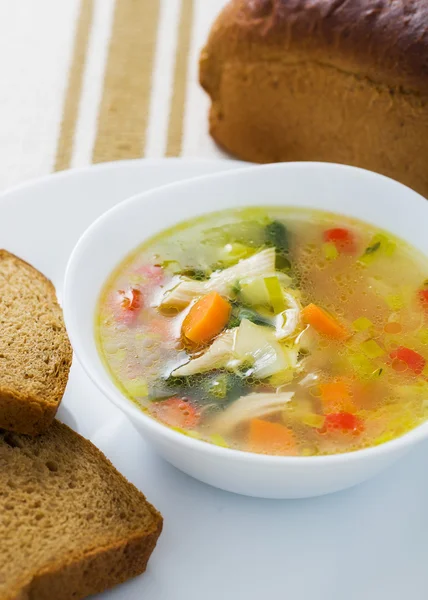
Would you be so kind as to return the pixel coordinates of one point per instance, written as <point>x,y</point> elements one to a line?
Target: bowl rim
<point>114,394</point>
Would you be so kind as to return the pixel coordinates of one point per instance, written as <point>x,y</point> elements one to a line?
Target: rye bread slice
<point>70,524</point>
<point>35,353</point>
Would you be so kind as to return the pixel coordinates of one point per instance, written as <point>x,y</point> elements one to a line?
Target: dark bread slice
<point>70,524</point>
<point>35,353</point>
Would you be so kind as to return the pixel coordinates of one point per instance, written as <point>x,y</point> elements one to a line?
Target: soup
<point>276,331</point>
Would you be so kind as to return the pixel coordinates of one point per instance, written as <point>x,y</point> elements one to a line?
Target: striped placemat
<point>89,81</point>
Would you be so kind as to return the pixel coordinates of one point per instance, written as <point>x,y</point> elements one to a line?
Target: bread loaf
<point>322,80</point>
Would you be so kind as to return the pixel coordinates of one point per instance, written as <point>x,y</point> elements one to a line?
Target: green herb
<point>236,288</point>
<point>224,387</point>
<point>276,235</point>
<point>197,274</point>
<point>282,263</point>
<point>239,313</point>
<point>212,390</point>
<point>379,242</point>
<point>173,386</point>
<point>217,386</point>
<point>371,249</point>
<point>234,321</point>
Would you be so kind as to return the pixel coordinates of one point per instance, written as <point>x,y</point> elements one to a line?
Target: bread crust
<point>379,39</point>
<point>24,415</point>
<point>91,573</point>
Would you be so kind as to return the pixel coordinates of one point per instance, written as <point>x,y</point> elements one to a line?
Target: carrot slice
<point>271,438</point>
<point>335,397</point>
<point>176,412</point>
<point>323,322</point>
<point>206,319</point>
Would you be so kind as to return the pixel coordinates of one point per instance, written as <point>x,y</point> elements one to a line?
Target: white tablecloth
<point>86,81</point>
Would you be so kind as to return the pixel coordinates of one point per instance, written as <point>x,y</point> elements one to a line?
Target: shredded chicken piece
<point>290,318</point>
<point>255,266</point>
<point>182,293</point>
<point>249,407</point>
<point>222,282</point>
<point>215,357</point>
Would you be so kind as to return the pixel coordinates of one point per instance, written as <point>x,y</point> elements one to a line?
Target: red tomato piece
<point>423,298</point>
<point>131,299</point>
<point>342,238</point>
<point>176,412</point>
<point>343,422</point>
<point>414,361</point>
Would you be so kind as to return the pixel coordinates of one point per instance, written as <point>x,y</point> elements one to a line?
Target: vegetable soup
<point>277,331</point>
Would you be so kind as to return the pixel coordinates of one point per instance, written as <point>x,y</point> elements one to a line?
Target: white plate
<point>369,543</point>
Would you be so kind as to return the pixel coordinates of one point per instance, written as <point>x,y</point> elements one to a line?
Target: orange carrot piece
<point>323,322</point>
<point>336,397</point>
<point>206,319</point>
<point>271,438</point>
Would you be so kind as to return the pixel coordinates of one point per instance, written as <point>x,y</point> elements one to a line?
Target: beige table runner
<point>88,81</point>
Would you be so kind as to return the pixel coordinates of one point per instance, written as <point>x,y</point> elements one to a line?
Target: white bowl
<point>345,190</point>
